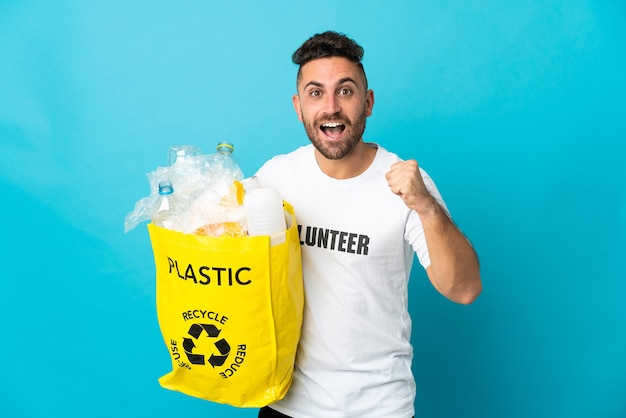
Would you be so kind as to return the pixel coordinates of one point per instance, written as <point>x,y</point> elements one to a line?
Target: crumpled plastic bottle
<point>225,161</point>
<point>210,183</point>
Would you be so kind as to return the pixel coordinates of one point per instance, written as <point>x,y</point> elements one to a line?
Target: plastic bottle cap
<point>225,147</point>
<point>165,187</point>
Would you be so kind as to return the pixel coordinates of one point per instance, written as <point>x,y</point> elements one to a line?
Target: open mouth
<point>332,129</point>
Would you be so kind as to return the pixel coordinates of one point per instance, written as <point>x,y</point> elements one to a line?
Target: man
<point>362,214</point>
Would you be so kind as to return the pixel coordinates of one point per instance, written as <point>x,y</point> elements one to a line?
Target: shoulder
<point>285,165</point>
<point>292,157</point>
<point>385,156</point>
<point>388,157</point>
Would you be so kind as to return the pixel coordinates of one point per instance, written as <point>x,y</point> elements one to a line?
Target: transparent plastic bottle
<point>226,161</point>
<point>169,206</point>
<point>178,153</point>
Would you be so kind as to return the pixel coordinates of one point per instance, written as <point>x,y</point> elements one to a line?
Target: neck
<point>351,165</point>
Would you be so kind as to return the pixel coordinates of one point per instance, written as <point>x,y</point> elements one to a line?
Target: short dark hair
<point>329,44</point>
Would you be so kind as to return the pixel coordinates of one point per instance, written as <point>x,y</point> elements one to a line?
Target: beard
<point>335,150</point>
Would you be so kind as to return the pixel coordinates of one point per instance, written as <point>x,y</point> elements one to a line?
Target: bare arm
<point>454,269</point>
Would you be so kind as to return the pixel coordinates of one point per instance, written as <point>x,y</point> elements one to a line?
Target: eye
<point>315,93</point>
<point>345,92</point>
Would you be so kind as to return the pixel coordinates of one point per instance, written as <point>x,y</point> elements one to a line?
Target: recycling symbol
<point>195,331</point>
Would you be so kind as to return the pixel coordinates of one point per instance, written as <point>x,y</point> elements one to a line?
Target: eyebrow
<point>341,81</point>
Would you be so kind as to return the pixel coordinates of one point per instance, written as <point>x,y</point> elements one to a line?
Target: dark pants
<point>267,412</point>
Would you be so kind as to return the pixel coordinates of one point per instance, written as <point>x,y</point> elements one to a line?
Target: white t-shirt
<point>358,240</point>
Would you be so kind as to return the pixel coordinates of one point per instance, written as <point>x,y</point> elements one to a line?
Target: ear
<point>369,102</point>
<point>296,105</point>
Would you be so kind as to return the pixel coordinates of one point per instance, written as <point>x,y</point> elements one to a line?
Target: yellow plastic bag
<point>230,312</point>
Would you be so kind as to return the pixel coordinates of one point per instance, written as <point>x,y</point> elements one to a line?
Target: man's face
<point>333,103</point>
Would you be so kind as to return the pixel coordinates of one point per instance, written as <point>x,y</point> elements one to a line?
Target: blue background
<point>515,108</point>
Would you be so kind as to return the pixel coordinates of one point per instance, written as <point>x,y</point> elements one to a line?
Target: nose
<point>331,104</point>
